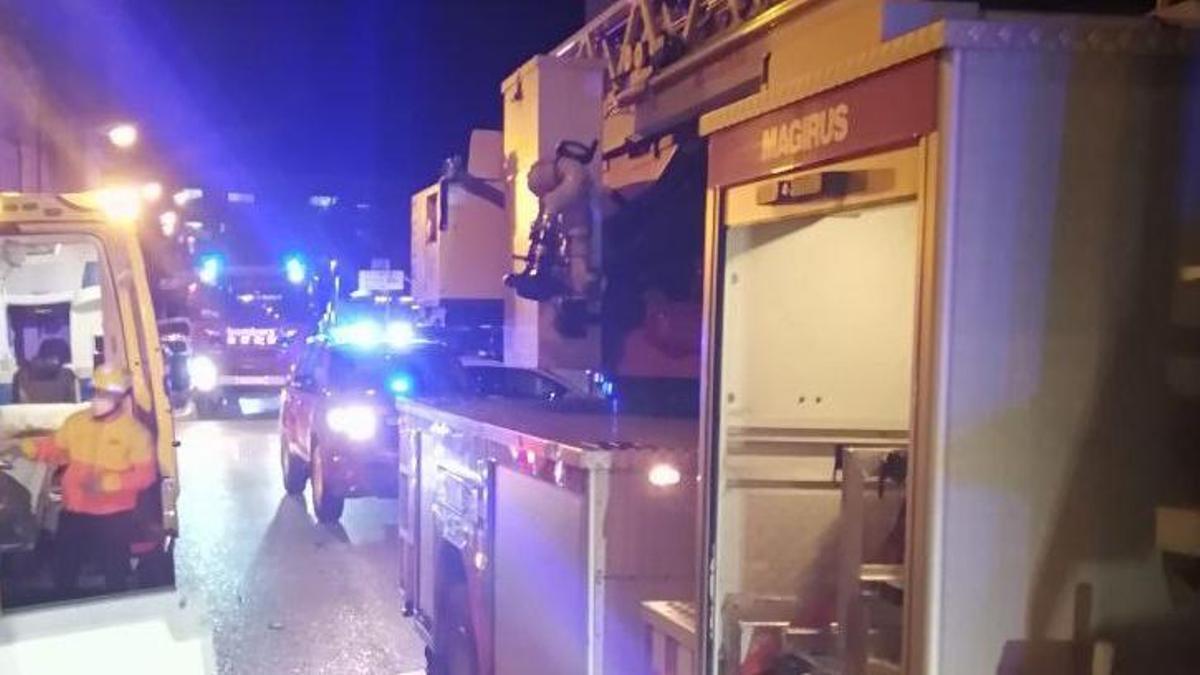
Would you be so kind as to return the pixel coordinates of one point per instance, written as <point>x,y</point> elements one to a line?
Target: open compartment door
<point>817,281</point>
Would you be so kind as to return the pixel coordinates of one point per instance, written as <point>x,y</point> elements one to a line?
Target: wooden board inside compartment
<point>819,318</point>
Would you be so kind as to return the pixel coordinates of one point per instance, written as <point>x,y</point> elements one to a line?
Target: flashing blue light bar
<point>296,270</point>
<point>210,269</point>
<point>368,334</point>
<point>365,334</point>
<point>401,385</point>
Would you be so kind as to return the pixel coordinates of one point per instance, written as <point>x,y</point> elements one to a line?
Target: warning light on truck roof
<point>296,270</point>
<point>210,269</point>
<point>368,334</point>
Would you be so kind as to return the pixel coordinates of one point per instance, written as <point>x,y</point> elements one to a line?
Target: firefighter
<point>107,455</point>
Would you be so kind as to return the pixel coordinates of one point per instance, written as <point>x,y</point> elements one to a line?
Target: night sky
<point>290,98</point>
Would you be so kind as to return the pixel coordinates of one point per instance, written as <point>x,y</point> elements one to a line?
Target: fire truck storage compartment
<point>541,558</point>
<point>815,384</point>
<point>562,537</point>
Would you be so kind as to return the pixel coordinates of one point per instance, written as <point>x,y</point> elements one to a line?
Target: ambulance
<point>74,296</point>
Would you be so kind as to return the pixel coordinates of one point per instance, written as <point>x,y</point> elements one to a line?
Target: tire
<point>295,472</point>
<point>205,409</point>
<point>327,507</point>
<point>454,652</point>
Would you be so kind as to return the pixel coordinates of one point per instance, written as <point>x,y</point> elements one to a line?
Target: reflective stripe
<point>107,462</point>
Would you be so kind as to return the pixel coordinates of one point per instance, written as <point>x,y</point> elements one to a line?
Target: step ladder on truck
<point>72,277</point>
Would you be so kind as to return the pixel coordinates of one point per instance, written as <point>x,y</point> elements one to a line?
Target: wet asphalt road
<point>283,593</point>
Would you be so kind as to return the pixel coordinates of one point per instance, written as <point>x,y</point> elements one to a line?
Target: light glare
<point>210,270</point>
<point>152,192</point>
<point>203,372</point>
<point>123,136</point>
<point>400,334</point>
<point>169,221</point>
<point>365,334</point>
<point>122,204</point>
<point>296,271</point>
<point>356,422</point>
<point>664,475</point>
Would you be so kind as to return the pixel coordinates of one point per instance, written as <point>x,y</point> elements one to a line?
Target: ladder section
<point>637,39</point>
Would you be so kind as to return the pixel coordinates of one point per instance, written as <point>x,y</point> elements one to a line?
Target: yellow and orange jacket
<point>115,455</point>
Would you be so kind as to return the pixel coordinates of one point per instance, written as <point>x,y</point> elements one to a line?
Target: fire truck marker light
<point>481,561</point>
<point>664,475</point>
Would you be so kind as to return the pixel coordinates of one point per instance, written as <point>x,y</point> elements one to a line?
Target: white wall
<point>1061,432</point>
<point>835,350</point>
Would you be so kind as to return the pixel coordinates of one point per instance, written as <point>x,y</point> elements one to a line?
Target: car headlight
<point>356,422</point>
<point>202,371</point>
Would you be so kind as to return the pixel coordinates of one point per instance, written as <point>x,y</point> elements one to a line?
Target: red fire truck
<point>944,381</point>
<point>247,324</point>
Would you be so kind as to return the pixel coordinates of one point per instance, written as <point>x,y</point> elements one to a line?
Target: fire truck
<point>916,267</point>
<point>248,321</point>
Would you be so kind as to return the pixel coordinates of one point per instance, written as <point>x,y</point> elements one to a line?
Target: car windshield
<point>422,370</point>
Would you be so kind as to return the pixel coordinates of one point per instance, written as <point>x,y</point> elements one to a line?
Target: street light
<point>123,135</point>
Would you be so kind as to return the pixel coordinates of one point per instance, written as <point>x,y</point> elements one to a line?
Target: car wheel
<point>295,473</point>
<point>455,647</point>
<point>328,507</point>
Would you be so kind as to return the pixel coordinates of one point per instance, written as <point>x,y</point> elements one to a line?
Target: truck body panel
<point>537,508</point>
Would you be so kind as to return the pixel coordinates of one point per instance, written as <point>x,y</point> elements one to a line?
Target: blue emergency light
<point>210,269</point>
<point>401,385</point>
<point>296,270</point>
<point>364,333</point>
<point>368,334</point>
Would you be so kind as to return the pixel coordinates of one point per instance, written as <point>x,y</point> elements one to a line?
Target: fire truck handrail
<point>521,426</point>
